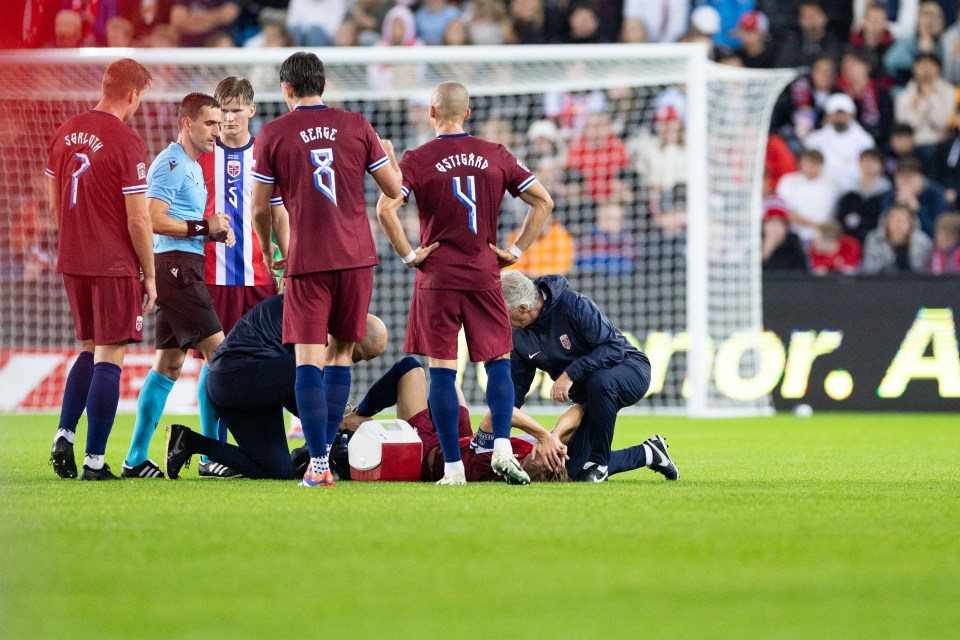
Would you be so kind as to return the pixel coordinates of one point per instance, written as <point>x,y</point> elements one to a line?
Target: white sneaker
<point>504,464</point>
<point>455,479</point>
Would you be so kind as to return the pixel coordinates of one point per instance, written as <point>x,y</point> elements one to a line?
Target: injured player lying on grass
<point>541,453</point>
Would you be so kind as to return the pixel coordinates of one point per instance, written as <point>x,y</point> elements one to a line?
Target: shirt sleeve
<point>133,168</point>
<point>263,158</point>
<point>276,198</point>
<point>407,169</point>
<point>165,180</point>
<point>519,177</point>
<point>376,156</point>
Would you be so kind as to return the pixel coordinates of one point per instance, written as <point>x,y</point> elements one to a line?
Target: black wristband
<point>198,228</point>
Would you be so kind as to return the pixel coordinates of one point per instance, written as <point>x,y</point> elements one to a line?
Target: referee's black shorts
<point>185,314</point>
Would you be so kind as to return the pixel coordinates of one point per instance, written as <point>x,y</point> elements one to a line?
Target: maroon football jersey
<point>96,160</point>
<point>317,156</point>
<point>459,182</point>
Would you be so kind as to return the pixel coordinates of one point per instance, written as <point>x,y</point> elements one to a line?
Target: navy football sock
<point>102,406</point>
<point>312,404</point>
<point>75,391</point>
<point>445,411</point>
<point>500,396</point>
<point>383,393</point>
<point>336,386</point>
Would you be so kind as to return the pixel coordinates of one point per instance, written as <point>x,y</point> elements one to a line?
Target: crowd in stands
<point>863,163</point>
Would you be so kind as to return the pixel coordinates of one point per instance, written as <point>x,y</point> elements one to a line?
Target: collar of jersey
<point>103,113</point>
<point>243,148</point>
<point>453,135</point>
<point>311,106</point>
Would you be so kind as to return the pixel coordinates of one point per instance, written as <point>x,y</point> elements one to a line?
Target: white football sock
<point>453,468</point>
<point>648,452</point>
<point>94,462</point>
<point>503,444</point>
<point>64,433</point>
<point>320,464</point>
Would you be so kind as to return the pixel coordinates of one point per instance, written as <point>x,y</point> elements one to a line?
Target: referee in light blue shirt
<point>176,200</point>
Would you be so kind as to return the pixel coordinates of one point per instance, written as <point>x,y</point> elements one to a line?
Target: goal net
<point>653,155</point>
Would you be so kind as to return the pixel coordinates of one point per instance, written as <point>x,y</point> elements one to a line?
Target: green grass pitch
<point>837,526</point>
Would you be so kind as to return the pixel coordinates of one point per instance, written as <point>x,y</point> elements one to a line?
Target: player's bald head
<point>375,342</point>
<point>451,101</point>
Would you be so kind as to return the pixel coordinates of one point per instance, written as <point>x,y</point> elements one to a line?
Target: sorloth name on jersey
<point>82,137</point>
<point>462,160</point>
<point>318,133</point>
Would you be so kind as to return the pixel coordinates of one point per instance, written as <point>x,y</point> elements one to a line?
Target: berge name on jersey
<point>462,160</point>
<point>318,133</point>
<point>82,137</point>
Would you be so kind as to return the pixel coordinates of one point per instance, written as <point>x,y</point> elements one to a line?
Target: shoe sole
<point>166,456</point>
<point>510,470</point>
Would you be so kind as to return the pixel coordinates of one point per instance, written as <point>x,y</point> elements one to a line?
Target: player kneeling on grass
<point>252,379</point>
<point>565,334</point>
<point>540,453</point>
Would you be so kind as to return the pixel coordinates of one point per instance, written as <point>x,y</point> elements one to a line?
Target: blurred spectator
<point>752,30</point>
<point>945,168</point>
<point>872,99</point>
<point>832,251</point>
<point>119,32</point>
<point>164,36</point>
<point>347,34</point>
<point>500,131</point>
<point>839,17</point>
<point>662,159</point>
<point>456,34</point>
<point>632,31</point>
<point>779,162</point>
<point>872,40</point>
<point>897,246</point>
<point>901,146</point>
<point>859,210</point>
<point>945,257</point>
<point>811,196</point>
<point>899,59</point>
<point>313,23</point>
<point>903,17</point>
<point>197,20</point>
<point>662,20</point>
<point>145,15</point>
<point>273,30</point>
<point>666,241</point>
<point>812,40</point>
<point>535,22</point>
<point>37,25</point>
<point>544,145</point>
<point>94,14</point>
<point>598,154</point>
<point>572,108</point>
<point>432,18</point>
<point>780,249</point>
<point>729,12</point>
<point>609,248</point>
<point>220,40</point>
<point>950,42</point>
<point>927,104</point>
<point>486,21</point>
<point>915,191</point>
<point>841,140</point>
<point>782,15</point>
<point>68,31</point>
<point>704,25</point>
<point>399,30</point>
<point>552,252</point>
<point>367,17</point>
<point>800,109</point>
<point>583,25</point>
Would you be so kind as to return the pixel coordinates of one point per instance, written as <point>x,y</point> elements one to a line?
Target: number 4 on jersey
<point>75,181</point>
<point>469,199</point>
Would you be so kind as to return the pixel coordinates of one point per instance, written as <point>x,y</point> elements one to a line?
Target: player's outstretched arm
<point>263,221</point>
<point>548,447</point>
<point>390,223</point>
<point>541,205</point>
<point>281,227</point>
<point>141,234</point>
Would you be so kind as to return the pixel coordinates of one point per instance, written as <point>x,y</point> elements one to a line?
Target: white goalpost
<point>653,154</point>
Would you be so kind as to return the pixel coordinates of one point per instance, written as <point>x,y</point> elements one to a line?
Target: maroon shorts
<point>422,423</point>
<point>333,302</point>
<point>231,302</point>
<point>436,316</point>
<point>106,310</point>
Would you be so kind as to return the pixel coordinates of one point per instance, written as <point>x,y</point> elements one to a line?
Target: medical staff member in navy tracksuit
<point>566,335</point>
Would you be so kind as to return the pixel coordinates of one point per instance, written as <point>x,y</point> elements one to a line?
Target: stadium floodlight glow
<point>692,279</point>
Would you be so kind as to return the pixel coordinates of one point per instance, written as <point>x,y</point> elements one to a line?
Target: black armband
<point>197,228</point>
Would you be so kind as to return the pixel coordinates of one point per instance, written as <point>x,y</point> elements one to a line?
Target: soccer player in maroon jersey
<point>317,156</point>
<point>459,182</point>
<point>97,170</point>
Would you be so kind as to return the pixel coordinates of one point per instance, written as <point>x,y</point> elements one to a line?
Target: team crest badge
<point>139,324</point>
<point>233,168</point>
<point>565,341</point>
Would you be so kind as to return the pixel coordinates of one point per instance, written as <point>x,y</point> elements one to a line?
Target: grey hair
<point>518,290</point>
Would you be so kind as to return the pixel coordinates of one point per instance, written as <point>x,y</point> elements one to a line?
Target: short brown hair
<point>192,106</point>
<point>304,72</point>
<point>831,230</point>
<point>948,223</point>
<point>539,472</point>
<point>813,155</point>
<point>123,76</point>
<point>234,88</point>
